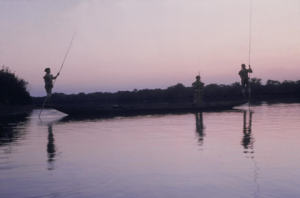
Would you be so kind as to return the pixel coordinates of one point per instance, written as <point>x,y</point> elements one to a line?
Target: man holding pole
<point>245,79</point>
<point>48,78</point>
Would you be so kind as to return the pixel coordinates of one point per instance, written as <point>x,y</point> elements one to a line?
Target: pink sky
<point>123,45</point>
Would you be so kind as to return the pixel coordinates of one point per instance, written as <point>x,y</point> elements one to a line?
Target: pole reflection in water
<point>248,144</point>
<point>200,127</point>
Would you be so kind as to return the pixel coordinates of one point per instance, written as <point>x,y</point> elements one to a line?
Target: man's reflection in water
<point>51,150</point>
<point>50,147</point>
<point>248,144</point>
<point>200,127</point>
<point>247,141</point>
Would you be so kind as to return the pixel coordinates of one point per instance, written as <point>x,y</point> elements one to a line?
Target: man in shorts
<point>48,78</point>
<point>245,79</point>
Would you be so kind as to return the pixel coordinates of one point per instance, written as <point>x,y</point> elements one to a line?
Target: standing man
<point>245,79</point>
<point>48,78</point>
<point>198,86</point>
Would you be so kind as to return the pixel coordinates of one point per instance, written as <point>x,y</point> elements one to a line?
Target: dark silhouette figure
<point>245,79</point>
<point>198,90</point>
<point>51,147</point>
<point>48,78</point>
<point>200,127</point>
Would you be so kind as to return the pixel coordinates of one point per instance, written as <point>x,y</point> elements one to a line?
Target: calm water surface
<point>235,154</point>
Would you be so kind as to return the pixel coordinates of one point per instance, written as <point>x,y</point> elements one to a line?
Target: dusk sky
<point>145,44</point>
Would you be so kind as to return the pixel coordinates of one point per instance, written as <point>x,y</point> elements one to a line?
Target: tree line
<point>180,94</point>
<point>14,91</point>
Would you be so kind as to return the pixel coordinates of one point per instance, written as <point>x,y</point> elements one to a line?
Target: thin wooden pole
<point>250,29</point>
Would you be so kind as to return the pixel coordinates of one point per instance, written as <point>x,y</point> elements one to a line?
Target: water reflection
<point>51,148</point>
<point>248,144</point>
<point>9,132</point>
<point>247,140</point>
<point>142,153</point>
<point>200,127</point>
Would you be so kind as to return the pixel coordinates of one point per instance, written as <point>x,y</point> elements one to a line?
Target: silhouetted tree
<point>273,82</point>
<point>255,81</point>
<point>13,90</point>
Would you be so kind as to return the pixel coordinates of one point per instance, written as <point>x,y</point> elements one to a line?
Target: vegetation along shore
<point>272,90</point>
<point>15,98</point>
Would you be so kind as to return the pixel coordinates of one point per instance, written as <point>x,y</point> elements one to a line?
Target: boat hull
<point>94,109</point>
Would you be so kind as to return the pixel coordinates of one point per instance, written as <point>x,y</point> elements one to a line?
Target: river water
<point>235,153</point>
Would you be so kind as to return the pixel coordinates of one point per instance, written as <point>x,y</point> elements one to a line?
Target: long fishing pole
<point>249,88</point>
<point>58,72</point>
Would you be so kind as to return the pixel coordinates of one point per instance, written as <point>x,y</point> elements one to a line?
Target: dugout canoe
<point>105,110</point>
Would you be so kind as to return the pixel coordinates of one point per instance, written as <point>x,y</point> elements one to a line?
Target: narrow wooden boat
<point>97,109</point>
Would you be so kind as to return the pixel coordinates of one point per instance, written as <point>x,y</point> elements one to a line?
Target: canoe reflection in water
<point>200,127</point>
